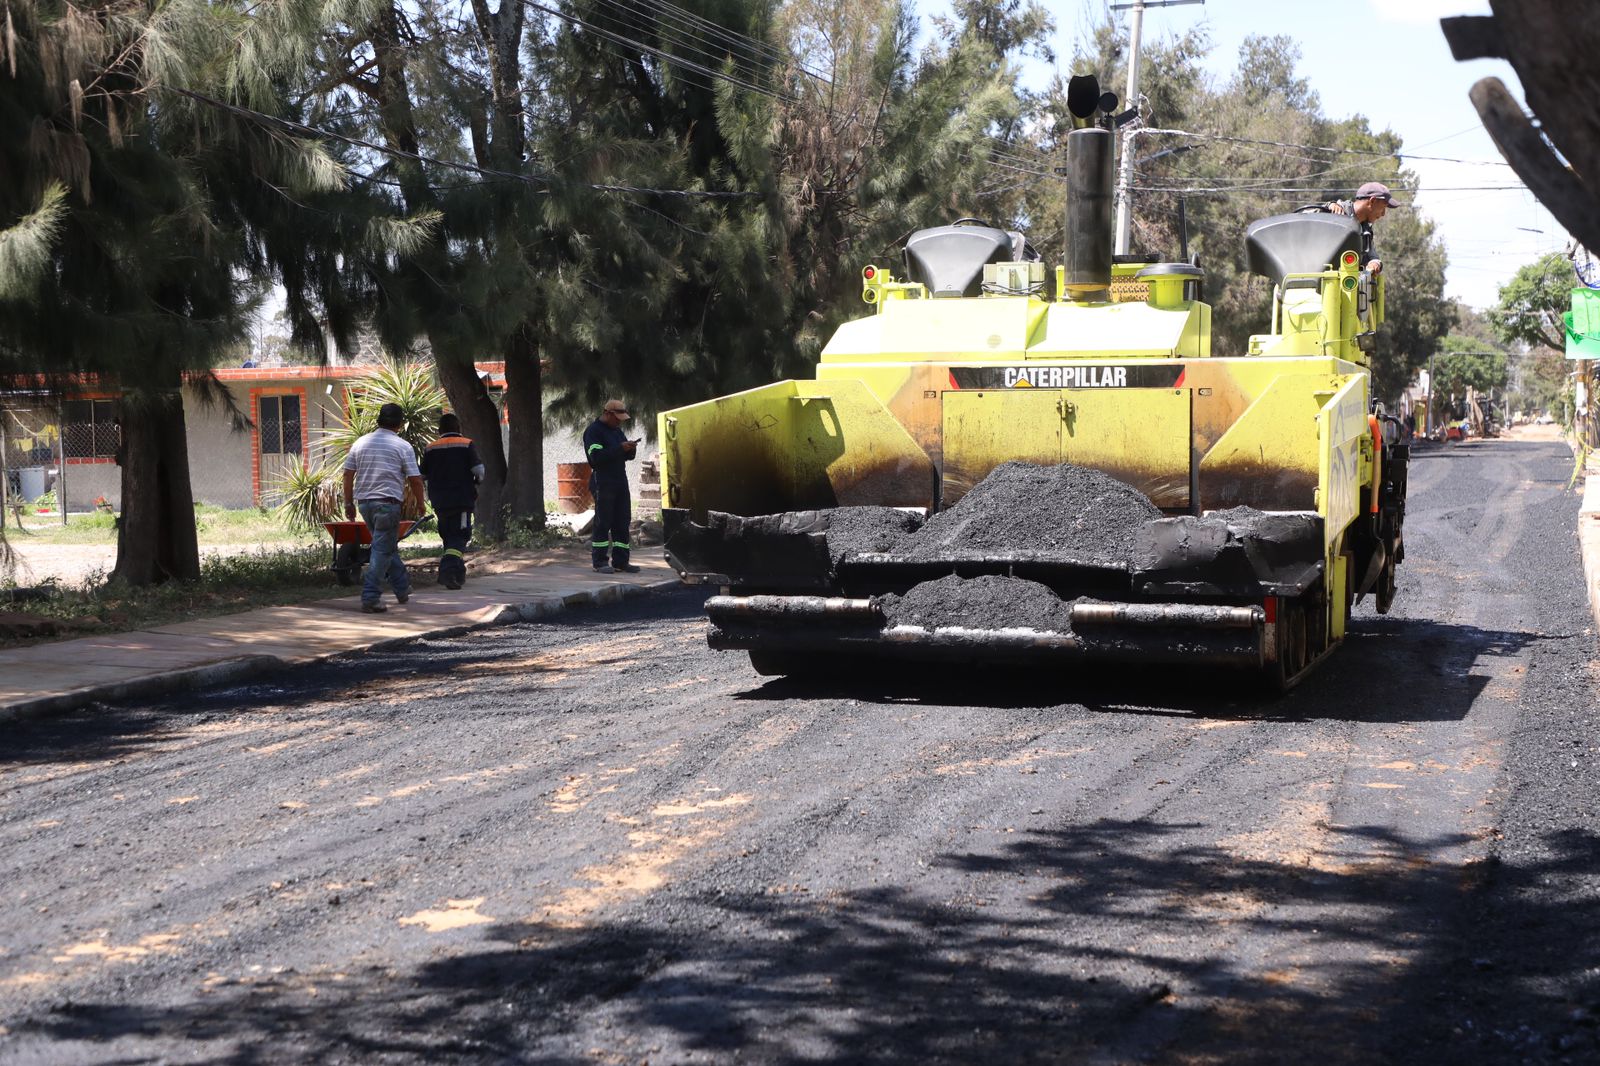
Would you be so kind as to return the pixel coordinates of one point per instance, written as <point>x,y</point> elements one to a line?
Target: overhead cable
<point>1319,148</point>
<point>292,126</point>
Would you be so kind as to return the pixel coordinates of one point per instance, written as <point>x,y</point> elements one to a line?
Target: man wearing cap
<point>608,450</point>
<point>377,472</point>
<point>452,469</point>
<point>1371,202</point>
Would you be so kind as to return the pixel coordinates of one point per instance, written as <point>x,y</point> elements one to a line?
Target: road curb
<point>216,673</point>
<point>248,666</point>
<point>1589,542</point>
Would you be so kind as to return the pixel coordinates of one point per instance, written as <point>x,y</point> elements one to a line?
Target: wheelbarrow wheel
<point>347,563</point>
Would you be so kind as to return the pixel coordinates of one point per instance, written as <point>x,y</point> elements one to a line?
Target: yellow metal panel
<point>1338,595</point>
<point>1195,342</point>
<point>984,429</point>
<point>977,329</point>
<point>1118,329</point>
<point>1268,457</point>
<point>795,445</point>
<point>1341,432</point>
<point>849,449</point>
<point>731,453</point>
<point>1138,436</point>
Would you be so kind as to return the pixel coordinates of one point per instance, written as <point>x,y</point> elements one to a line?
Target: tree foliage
<point>1463,362</point>
<point>1531,303</point>
<point>138,227</point>
<point>660,202</point>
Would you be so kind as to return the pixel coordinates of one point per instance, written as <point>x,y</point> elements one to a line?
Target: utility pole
<point>1427,412</point>
<point>1125,177</point>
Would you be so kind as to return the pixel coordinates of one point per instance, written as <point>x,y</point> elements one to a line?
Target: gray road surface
<point>594,841</point>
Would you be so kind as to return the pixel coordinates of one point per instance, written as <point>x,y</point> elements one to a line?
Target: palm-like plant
<point>411,385</point>
<point>308,494</point>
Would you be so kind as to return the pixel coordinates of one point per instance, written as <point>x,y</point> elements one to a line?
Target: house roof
<point>68,384</point>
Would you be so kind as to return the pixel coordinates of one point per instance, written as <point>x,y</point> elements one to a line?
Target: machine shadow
<point>1355,684</point>
<point>1120,941</point>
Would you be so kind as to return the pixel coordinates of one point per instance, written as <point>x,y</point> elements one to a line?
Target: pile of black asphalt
<point>1071,511</point>
<point>988,602</point>
<point>868,529</point>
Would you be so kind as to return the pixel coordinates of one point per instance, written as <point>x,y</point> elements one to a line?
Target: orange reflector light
<point>1349,259</point>
<point>1271,606</point>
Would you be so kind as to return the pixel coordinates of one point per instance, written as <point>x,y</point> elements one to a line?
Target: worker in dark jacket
<point>608,450</point>
<point>452,469</point>
<point>1370,203</point>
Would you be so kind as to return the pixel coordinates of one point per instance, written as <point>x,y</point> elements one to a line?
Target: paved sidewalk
<point>58,676</point>
<point>1589,534</point>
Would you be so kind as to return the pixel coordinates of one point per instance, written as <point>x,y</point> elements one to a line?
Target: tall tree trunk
<point>469,398</point>
<point>525,401</point>
<point>156,538</point>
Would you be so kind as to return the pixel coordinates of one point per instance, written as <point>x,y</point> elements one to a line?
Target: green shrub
<point>522,533</point>
<point>309,495</point>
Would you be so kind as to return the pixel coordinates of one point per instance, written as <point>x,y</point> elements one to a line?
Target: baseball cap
<point>617,407</point>
<point>1377,190</point>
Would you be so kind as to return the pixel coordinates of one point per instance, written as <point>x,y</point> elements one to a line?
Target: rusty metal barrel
<point>572,488</point>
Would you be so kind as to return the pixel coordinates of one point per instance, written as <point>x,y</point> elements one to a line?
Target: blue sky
<point>1389,62</point>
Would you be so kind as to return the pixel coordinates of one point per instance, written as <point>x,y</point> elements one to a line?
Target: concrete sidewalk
<point>59,676</point>
<point>1589,534</point>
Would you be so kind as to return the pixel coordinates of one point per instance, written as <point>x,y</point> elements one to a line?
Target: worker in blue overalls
<point>608,450</point>
<point>452,469</point>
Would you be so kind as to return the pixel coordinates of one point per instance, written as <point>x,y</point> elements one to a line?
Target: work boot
<point>373,608</point>
<point>402,597</point>
<point>626,568</point>
<point>604,569</point>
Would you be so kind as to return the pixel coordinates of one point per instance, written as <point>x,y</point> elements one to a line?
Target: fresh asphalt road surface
<point>593,840</point>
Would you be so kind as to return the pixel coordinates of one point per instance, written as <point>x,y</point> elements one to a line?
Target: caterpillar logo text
<point>1066,377</point>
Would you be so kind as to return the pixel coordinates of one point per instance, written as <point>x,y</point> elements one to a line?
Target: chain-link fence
<point>31,459</point>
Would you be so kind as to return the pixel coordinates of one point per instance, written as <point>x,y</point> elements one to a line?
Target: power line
<point>623,16</point>
<point>292,126</point>
<point>755,47</point>
<point>1318,189</point>
<point>665,57</point>
<point>1320,148</point>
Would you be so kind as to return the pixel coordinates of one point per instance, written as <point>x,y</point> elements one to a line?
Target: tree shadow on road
<point>1113,942</point>
<point>109,731</point>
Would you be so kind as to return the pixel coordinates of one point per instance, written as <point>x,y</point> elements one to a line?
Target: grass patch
<point>227,584</point>
<point>213,526</point>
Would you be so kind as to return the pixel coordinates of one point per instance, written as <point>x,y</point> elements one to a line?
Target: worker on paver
<point>377,472</point>
<point>1370,203</point>
<point>452,469</point>
<point>608,450</point>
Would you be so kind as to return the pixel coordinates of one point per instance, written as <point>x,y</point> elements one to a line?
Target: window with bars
<point>89,429</point>
<point>278,420</point>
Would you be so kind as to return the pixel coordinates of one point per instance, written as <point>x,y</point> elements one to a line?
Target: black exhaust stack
<point>1091,152</point>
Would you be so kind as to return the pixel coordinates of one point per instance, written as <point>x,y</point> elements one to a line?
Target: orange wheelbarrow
<point>352,545</point>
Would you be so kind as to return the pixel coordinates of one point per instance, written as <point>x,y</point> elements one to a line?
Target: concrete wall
<point>221,457</point>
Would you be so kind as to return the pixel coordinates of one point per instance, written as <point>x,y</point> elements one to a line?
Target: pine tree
<point>140,224</point>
